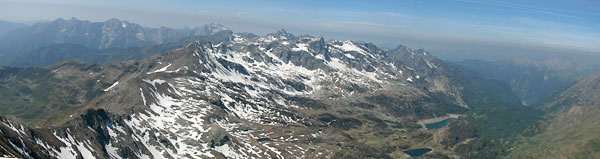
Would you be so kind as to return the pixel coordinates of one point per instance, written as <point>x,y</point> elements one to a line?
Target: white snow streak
<point>113,85</point>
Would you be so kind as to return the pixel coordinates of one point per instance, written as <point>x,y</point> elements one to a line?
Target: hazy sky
<point>448,29</point>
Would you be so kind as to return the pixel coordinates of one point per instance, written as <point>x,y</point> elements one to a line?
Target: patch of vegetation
<point>503,122</point>
<point>492,130</point>
<point>482,93</point>
<point>591,150</point>
<point>360,152</point>
<point>435,105</point>
<point>31,94</point>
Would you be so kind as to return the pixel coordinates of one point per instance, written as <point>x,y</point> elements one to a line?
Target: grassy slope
<point>573,127</point>
<point>31,94</point>
<point>575,134</point>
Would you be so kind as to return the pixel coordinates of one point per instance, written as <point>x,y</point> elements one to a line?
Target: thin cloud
<point>521,7</point>
<point>362,23</point>
<point>242,13</point>
<point>391,14</point>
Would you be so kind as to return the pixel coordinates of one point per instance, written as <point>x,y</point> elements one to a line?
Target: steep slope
<point>277,96</point>
<point>113,33</point>
<point>492,132</point>
<point>572,130</point>
<point>534,80</point>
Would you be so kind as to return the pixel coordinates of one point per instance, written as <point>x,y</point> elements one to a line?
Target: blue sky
<point>446,28</point>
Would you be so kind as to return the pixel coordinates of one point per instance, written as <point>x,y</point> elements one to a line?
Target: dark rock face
<point>98,120</point>
<point>320,48</point>
<point>233,66</point>
<point>300,58</point>
<point>222,142</point>
<point>16,141</point>
<point>90,135</point>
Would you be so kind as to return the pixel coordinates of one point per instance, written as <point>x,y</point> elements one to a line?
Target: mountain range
<point>6,26</point>
<point>112,33</point>
<point>220,94</point>
<point>535,80</point>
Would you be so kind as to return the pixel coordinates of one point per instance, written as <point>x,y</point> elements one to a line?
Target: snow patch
<point>349,56</point>
<point>112,151</point>
<point>160,70</point>
<point>301,47</point>
<point>113,85</point>
<point>143,98</point>
<point>154,82</point>
<point>350,46</point>
<point>227,151</point>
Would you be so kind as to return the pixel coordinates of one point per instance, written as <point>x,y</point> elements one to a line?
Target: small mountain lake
<point>263,139</point>
<point>417,152</point>
<point>439,124</point>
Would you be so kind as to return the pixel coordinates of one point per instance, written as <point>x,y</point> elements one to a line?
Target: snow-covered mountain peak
<point>282,35</point>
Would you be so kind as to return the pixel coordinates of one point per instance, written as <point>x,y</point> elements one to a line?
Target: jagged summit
<point>401,47</point>
<point>282,34</point>
<point>215,25</point>
<point>112,20</point>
